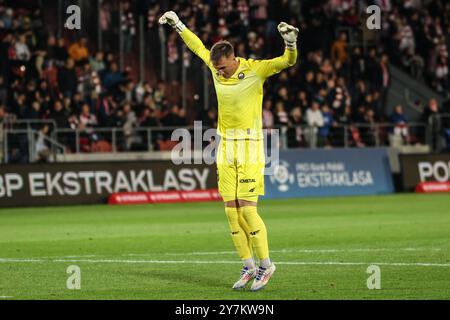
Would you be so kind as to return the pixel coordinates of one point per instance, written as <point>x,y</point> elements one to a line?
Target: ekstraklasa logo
<point>282,176</point>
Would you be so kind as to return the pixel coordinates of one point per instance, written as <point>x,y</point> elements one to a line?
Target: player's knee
<point>249,213</point>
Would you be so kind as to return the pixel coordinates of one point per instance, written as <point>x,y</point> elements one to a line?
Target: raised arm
<point>267,68</point>
<point>190,39</point>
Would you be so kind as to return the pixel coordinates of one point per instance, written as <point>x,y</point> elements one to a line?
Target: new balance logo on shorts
<point>254,233</point>
<point>251,190</point>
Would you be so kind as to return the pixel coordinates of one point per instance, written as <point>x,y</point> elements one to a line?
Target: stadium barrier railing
<point>439,125</point>
<point>19,138</point>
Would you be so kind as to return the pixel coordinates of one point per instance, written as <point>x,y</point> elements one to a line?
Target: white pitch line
<point>314,263</point>
<point>292,251</point>
<point>82,256</point>
<point>200,253</point>
<point>6,297</point>
<point>21,260</point>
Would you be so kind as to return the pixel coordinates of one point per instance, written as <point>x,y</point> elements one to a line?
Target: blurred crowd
<point>334,83</point>
<point>43,77</point>
<point>418,39</point>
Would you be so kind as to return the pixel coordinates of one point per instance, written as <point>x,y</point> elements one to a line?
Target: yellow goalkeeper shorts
<point>240,169</point>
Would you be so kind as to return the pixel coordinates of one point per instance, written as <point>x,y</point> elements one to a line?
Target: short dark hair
<point>221,49</point>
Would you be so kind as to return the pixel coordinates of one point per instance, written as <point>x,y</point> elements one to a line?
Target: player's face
<point>226,66</point>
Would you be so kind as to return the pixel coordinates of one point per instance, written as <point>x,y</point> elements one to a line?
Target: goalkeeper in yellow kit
<point>240,157</point>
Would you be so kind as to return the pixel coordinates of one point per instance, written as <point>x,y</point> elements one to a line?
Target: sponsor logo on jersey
<point>247,180</point>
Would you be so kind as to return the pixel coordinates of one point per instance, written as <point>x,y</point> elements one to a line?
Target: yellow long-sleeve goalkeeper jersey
<point>240,96</point>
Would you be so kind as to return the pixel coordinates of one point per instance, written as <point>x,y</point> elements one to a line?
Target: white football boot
<point>262,277</point>
<point>246,275</point>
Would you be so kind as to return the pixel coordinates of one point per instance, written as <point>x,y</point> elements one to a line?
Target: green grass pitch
<point>322,248</point>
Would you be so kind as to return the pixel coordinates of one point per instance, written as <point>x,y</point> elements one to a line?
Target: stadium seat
<point>166,145</point>
<point>84,144</point>
<point>101,146</point>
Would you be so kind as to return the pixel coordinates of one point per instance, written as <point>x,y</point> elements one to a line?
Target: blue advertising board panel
<point>336,172</point>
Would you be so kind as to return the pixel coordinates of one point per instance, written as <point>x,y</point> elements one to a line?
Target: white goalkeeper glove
<point>289,34</point>
<point>172,19</point>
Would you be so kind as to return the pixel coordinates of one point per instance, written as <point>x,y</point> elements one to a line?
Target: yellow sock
<point>244,226</point>
<point>258,232</point>
<point>238,234</point>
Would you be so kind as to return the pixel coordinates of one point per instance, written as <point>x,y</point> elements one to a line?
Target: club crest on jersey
<point>241,76</point>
